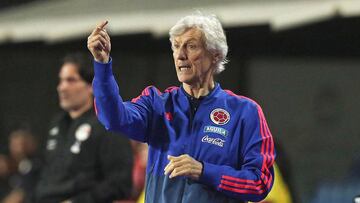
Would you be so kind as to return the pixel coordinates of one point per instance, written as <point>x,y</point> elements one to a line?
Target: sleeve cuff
<point>210,175</point>
<point>103,71</point>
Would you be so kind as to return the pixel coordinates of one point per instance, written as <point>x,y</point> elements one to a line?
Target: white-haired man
<point>206,144</point>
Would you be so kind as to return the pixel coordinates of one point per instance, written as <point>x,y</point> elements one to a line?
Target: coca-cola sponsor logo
<point>215,141</point>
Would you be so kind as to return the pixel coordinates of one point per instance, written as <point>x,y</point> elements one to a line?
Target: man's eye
<point>176,46</point>
<point>192,46</point>
<point>72,80</point>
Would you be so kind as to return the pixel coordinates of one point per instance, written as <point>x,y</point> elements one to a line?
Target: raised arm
<point>116,115</point>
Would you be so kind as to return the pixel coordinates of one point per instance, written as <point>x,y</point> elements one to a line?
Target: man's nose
<point>182,54</point>
<point>61,87</point>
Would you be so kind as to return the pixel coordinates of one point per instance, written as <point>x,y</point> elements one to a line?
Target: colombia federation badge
<point>220,116</point>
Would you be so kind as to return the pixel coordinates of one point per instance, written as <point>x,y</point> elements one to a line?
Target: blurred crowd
<point>19,168</point>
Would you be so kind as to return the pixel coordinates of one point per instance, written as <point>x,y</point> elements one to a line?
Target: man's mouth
<point>184,68</point>
<point>63,97</point>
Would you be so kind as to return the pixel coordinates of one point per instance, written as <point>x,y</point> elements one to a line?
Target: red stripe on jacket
<point>241,191</point>
<point>267,152</point>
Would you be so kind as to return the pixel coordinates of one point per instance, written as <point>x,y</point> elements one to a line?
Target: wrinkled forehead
<point>191,33</point>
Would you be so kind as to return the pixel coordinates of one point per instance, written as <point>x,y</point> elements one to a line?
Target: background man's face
<point>73,91</point>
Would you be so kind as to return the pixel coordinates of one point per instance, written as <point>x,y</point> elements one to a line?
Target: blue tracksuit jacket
<point>228,134</point>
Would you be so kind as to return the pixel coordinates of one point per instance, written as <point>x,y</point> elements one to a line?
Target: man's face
<point>73,91</point>
<point>193,62</point>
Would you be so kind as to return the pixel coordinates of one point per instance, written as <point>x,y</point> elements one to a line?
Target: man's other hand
<point>183,165</point>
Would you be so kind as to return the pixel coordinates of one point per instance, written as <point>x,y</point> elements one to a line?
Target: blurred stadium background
<point>298,59</point>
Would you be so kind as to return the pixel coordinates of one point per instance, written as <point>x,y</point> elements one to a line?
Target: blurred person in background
<point>4,176</point>
<point>26,166</point>
<point>83,162</point>
<point>206,144</point>
<point>139,170</point>
<point>140,151</point>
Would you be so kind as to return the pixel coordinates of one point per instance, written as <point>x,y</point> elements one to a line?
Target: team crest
<point>54,131</point>
<point>220,116</point>
<point>83,132</point>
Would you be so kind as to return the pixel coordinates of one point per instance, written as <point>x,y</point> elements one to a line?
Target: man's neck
<point>78,112</point>
<point>200,90</point>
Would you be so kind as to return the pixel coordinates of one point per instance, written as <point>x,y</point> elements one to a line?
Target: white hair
<point>210,26</point>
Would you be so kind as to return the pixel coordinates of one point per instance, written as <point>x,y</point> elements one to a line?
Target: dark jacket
<point>84,162</point>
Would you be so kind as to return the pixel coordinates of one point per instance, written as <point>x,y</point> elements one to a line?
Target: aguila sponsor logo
<point>215,141</point>
<point>220,116</point>
<point>218,130</point>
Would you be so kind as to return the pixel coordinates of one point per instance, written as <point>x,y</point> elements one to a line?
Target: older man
<point>206,144</point>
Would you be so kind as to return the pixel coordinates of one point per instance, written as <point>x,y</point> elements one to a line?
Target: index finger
<point>99,27</point>
<point>102,25</point>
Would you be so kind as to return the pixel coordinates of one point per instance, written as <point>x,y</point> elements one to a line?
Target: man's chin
<point>65,107</point>
<point>187,81</point>
<point>183,79</point>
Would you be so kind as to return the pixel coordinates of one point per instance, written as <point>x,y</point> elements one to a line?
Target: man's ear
<point>216,57</point>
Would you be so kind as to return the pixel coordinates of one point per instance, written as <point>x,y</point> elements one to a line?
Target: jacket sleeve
<point>115,161</point>
<point>253,180</point>
<point>131,118</point>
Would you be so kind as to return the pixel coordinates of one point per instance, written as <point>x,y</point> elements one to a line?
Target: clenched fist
<point>99,43</point>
